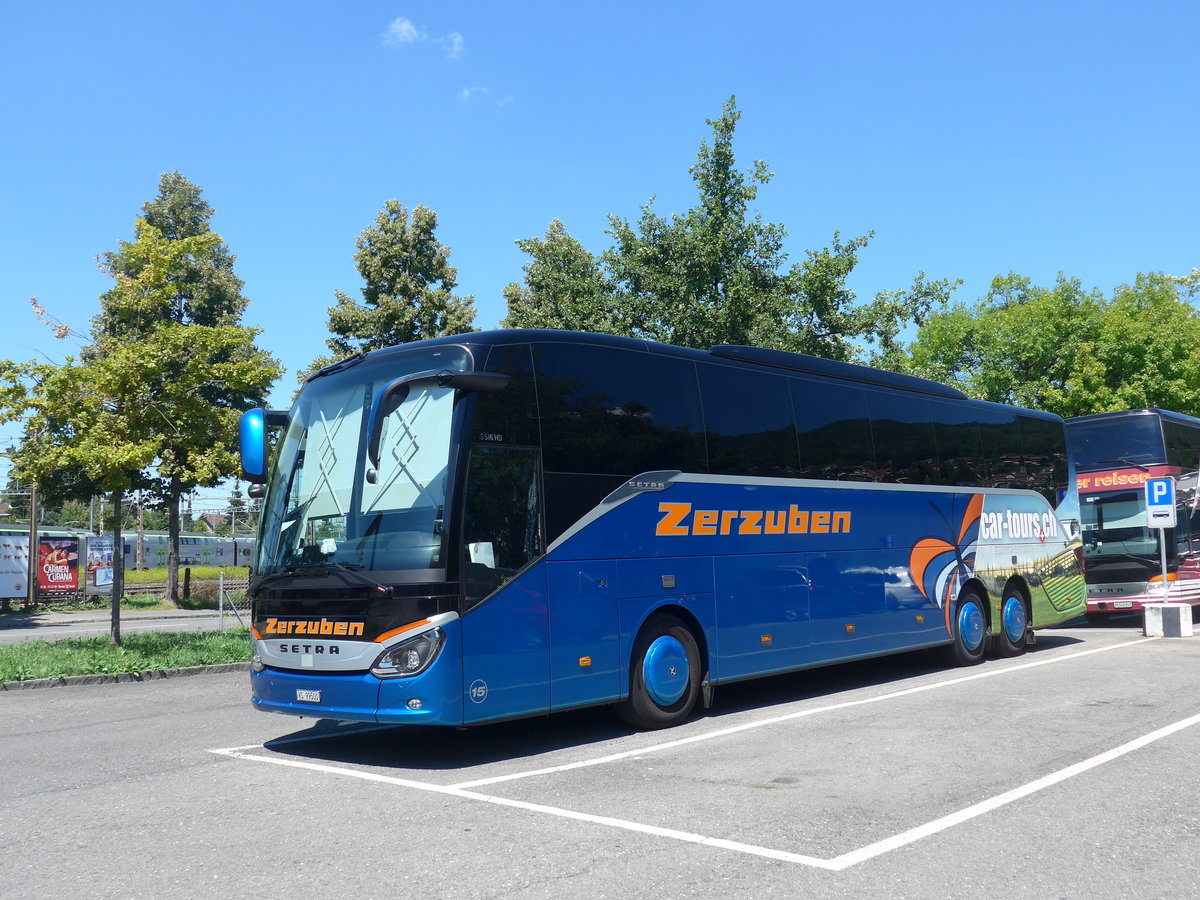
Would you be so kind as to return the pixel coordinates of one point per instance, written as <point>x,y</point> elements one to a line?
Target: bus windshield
<point>1116,536</point>
<point>1133,440</point>
<point>323,510</point>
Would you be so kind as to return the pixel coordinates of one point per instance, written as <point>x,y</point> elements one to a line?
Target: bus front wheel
<point>968,626</point>
<point>664,675</point>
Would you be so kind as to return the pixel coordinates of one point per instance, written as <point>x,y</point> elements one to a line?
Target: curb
<point>122,677</point>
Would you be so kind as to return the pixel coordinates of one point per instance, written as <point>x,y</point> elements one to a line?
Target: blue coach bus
<point>512,523</point>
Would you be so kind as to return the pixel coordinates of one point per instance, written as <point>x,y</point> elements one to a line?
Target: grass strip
<point>199,573</point>
<point>145,651</point>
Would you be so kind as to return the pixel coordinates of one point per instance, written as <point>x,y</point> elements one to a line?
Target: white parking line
<point>838,863</point>
<point>686,836</point>
<point>788,717</point>
<point>922,831</point>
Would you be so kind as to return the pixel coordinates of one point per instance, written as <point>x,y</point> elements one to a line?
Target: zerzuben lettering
<point>314,626</point>
<point>680,519</point>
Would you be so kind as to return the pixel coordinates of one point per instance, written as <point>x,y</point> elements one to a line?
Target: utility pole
<point>139,561</point>
<point>31,596</point>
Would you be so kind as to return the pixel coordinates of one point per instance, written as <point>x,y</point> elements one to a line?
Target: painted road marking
<point>788,717</point>
<point>837,863</point>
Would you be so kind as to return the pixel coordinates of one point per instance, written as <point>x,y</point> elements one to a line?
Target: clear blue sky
<point>973,139</point>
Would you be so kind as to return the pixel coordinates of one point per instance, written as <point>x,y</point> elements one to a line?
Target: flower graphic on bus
<point>941,567</point>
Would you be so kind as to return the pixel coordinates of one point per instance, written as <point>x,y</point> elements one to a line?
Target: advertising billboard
<point>58,565</point>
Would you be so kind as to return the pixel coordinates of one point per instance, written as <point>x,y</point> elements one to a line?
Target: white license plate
<point>1122,604</point>
<point>308,696</point>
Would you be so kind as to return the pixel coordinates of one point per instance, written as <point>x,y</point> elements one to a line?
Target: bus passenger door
<point>505,630</point>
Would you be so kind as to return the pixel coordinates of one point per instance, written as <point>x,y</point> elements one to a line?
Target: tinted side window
<point>1002,448</point>
<point>833,430</point>
<point>610,411</point>
<point>905,452</point>
<point>1183,445</point>
<point>960,449</point>
<point>570,497</point>
<point>748,418</point>
<point>1045,450</point>
<point>508,416</point>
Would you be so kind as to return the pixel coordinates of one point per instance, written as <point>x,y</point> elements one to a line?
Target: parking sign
<point>1160,502</point>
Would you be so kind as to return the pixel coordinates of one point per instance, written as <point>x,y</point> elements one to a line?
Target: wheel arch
<point>976,584</point>
<point>1019,585</point>
<point>689,620</point>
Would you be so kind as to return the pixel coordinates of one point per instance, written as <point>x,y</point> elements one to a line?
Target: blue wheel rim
<point>665,670</point>
<point>1014,619</point>
<point>971,626</point>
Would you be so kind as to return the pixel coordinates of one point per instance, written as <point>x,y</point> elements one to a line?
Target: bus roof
<point>750,357</point>
<point>1181,418</point>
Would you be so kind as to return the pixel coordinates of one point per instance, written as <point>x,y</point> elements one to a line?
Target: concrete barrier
<point>1167,620</point>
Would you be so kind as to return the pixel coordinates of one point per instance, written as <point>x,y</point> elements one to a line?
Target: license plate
<point>308,696</point>
<point>1122,604</point>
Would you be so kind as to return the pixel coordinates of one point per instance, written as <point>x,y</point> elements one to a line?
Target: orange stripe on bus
<point>403,628</point>
<point>254,631</point>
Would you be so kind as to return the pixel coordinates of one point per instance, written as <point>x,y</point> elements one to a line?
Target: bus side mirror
<point>252,438</point>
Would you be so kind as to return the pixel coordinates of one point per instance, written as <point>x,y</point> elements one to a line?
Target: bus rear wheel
<point>1014,620</point>
<point>968,625</point>
<point>664,675</point>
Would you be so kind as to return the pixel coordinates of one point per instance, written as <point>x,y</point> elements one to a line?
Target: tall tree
<point>178,274</point>
<point>715,274</point>
<point>199,366</point>
<point>1069,350</point>
<point>408,288</point>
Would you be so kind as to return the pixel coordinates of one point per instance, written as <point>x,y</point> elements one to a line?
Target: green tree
<point>83,425</point>
<point>408,288</point>
<point>177,297</point>
<point>714,274</point>
<point>1069,350</point>
<point>564,287</point>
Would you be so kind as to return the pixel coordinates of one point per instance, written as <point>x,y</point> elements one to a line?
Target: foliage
<point>714,275</point>
<point>203,289</point>
<point>564,288</point>
<point>1068,350</point>
<point>145,652</point>
<point>178,301</point>
<point>153,403</point>
<point>407,292</point>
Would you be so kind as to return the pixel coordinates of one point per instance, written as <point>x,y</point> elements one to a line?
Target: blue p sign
<point>1160,502</point>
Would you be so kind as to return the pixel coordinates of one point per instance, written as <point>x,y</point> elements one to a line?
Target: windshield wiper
<point>352,574</point>
<point>343,571</point>
<point>1130,462</point>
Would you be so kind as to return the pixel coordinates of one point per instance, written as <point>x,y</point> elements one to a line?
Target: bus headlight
<point>256,663</point>
<point>411,657</point>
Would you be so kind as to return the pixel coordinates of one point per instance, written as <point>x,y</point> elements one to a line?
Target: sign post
<point>1165,619</point>
<point>1160,514</point>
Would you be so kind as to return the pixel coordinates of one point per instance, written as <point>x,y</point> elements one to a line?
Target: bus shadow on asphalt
<point>431,748</point>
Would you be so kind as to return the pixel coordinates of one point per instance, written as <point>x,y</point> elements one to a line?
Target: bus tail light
<point>411,657</point>
<point>1171,576</point>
